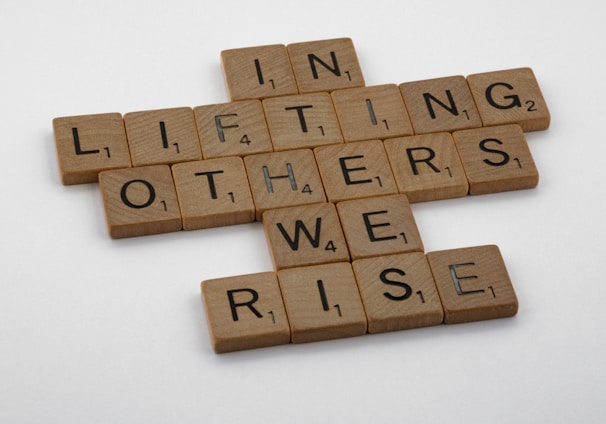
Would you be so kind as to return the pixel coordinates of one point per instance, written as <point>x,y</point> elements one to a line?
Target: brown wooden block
<point>496,159</point>
<point>258,72</point>
<point>440,104</point>
<point>163,136</point>
<point>282,179</point>
<point>245,312</point>
<point>232,129</point>
<point>371,112</point>
<point>89,144</point>
<point>473,284</point>
<point>398,292</point>
<point>427,167</point>
<point>325,65</point>
<point>305,235</point>
<point>213,193</point>
<point>355,170</point>
<point>140,201</point>
<point>511,96</point>
<point>302,121</point>
<point>322,302</point>
<point>378,226</point>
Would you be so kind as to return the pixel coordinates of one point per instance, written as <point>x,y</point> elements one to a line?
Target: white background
<point>94,330</point>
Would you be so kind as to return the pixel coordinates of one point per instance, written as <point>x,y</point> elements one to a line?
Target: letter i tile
<point>473,284</point>
<point>140,201</point>
<point>245,312</point>
<point>322,302</point>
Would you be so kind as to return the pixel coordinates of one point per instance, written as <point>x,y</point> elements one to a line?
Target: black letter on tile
<point>385,280</point>
<point>299,110</point>
<point>233,305</point>
<point>369,226</point>
<point>150,200</point>
<point>452,109</point>
<point>347,170</point>
<point>335,66</point>
<point>515,100</point>
<point>483,147</point>
<point>77,146</point>
<point>427,160</point>
<point>211,181</point>
<point>300,226</point>
<point>457,279</point>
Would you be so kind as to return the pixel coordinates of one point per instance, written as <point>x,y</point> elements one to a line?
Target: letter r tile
<point>305,235</point>
<point>322,302</point>
<point>245,312</point>
<point>473,284</point>
<point>140,201</point>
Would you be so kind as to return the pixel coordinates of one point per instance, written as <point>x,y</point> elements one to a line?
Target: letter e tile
<point>398,292</point>
<point>473,284</point>
<point>245,312</point>
<point>140,201</point>
<point>322,302</point>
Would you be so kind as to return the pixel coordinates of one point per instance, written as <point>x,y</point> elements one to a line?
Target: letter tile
<point>302,121</point>
<point>258,72</point>
<point>245,312</point>
<point>282,179</point>
<point>398,292</point>
<point>213,193</point>
<point>511,96</point>
<point>378,226</point>
<point>427,167</point>
<point>305,235</point>
<point>140,201</point>
<point>473,284</point>
<point>496,159</point>
<point>164,136</point>
<point>325,65</point>
<point>89,144</point>
<point>232,129</point>
<point>322,302</point>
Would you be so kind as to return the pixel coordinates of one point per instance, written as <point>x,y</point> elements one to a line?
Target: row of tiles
<point>232,190</point>
<point>372,295</point>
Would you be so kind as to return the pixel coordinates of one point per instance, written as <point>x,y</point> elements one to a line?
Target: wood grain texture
<point>496,159</point>
<point>427,167</point>
<point>378,226</point>
<point>355,170</point>
<point>398,292</point>
<point>213,193</point>
<point>368,113</point>
<point>473,284</point>
<point>511,96</point>
<point>283,179</point>
<point>140,201</point>
<point>232,129</point>
<point>258,72</point>
<point>302,121</point>
<point>163,136</point>
<point>325,65</point>
<point>322,302</point>
<point>245,312</point>
<point>305,235</point>
<point>89,144</point>
<point>440,104</point>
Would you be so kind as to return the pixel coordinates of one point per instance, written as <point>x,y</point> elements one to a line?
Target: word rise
<point>329,165</point>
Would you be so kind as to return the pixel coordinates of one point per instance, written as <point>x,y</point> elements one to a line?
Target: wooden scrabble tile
<point>305,235</point>
<point>89,144</point>
<point>258,72</point>
<point>245,312</point>
<point>213,193</point>
<point>322,302</point>
<point>427,167</point>
<point>355,170</point>
<point>325,65</point>
<point>369,113</point>
<point>398,292</point>
<point>511,96</point>
<point>163,136</point>
<point>302,121</point>
<point>282,179</point>
<point>440,104</point>
<point>496,159</point>
<point>473,284</point>
<point>232,129</point>
<point>140,201</point>
<point>378,226</point>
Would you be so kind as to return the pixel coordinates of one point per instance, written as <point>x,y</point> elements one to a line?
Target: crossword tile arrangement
<point>330,166</point>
